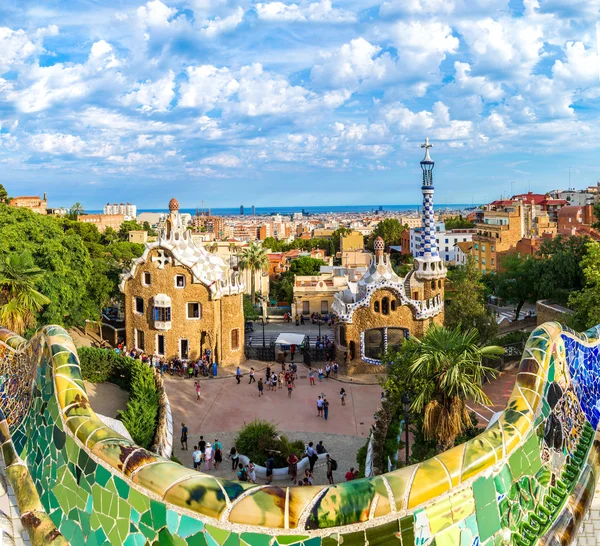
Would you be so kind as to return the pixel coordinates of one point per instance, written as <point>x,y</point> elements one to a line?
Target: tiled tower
<point>428,264</point>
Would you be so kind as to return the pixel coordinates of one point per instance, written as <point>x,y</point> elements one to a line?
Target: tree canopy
<point>299,244</point>
<point>282,289</point>
<point>390,230</point>
<point>457,222</point>
<point>586,302</point>
<point>3,194</point>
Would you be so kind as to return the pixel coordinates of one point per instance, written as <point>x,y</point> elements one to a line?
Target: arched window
<point>395,338</point>
<point>376,307</point>
<point>374,347</point>
<point>440,284</point>
<point>433,285</point>
<point>393,305</point>
<point>385,306</point>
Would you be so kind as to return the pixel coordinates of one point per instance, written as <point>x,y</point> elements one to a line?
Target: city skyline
<point>295,103</point>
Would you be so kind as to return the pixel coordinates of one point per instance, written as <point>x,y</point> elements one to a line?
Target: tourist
<point>350,474</point>
<point>197,383</point>
<point>268,374</point>
<point>320,372</point>
<point>335,369</point>
<point>251,471</point>
<point>191,371</point>
<point>281,380</point>
<point>202,446</point>
<point>319,407</point>
<point>327,370</point>
<point>270,466</point>
<point>311,378</point>
<point>345,357</point>
<point>274,382</point>
<point>260,387</point>
<point>343,396</point>
<point>292,352</point>
<point>184,434</point>
<point>238,375</point>
<point>289,388</point>
<point>208,456</point>
<point>242,473</point>
<point>251,376</point>
<point>233,454</point>
<point>196,457</point>
<point>218,453</point>
<point>297,321</point>
<point>294,370</point>
<point>331,466</point>
<point>309,478</point>
<point>312,456</point>
<point>302,320</point>
<point>320,448</point>
<point>292,462</point>
<point>300,483</point>
<point>325,409</point>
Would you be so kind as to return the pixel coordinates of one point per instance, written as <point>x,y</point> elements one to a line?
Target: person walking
<point>260,387</point>
<point>234,455</point>
<point>196,457</point>
<point>184,435</point>
<point>208,456</point>
<point>331,466</point>
<point>335,369</point>
<point>238,375</point>
<point>320,375</point>
<point>270,465</point>
<point>218,453</point>
<point>327,370</point>
<point>312,456</point>
<point>343,396</point>
<point>251,376</point>
<point>292,462</point>
<point>311,378</point>
<point>325,409</point>
<point>202,447</point>
<point>290,388</point>
<point>197,383</point>
<point>281,380</point>
<point>319,407</point>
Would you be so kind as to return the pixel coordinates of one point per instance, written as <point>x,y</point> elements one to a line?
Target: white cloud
<point>209,128</point>
<point>321,11</point>
<point>153,96</point>
<point>478,85</point>
<point>17,47</point>
<point>222,160</point>
<point>218,25</point>
<point>206,87</point>
<point>155,14</point>
<point>581,68</point>
<point>56,143</point>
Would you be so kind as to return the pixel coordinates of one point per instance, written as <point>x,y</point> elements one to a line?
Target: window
<point>140,341</point>
<point>376,307</point>
<point>440,284</point>
<point>415,295</point>
<point>483,261</point>
<point>162,314</point>
<point>180,281</point>
<point>385,306</point>
<point>476,246</point>
<point>184,349</point>
<point>433,285</point>
<point>393,305</point>
<point>446,249</point>
<point>493,261</point>
<point>139,305</point>
<point>464,239</point>
<point>446,241</point>
<point>482,248</point>
<point>374,343</point>
<point>306,308</point>
<point>395,338</point>
<point>235,339</point>
<point>493,248</point>
<point>476,258</point>
<point>194,310</point>
<point>324,307</point>
<point>147,281</point>
<point>160,345</point>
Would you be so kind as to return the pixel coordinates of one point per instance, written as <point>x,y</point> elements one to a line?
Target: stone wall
<point>163,437</point>
<point>547,311</point>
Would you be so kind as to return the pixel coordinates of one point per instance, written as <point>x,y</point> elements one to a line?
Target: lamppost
<point>406,405</point>
<point>262,320</point>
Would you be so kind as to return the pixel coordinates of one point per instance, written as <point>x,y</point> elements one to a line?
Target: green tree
<point>586,302</point>
<point>465,306</point>
<point>250,312</point>
<point>126,227</point>
<point>596,209</point>
<point>148,228</point>
<point>518,281</point>
<point>458,222</point>
<point>20,300</point>
<point>76,210</point>
<point>448,365</point>
<point>3,194</point>
<point>253,258</point>
<point>390,230</point>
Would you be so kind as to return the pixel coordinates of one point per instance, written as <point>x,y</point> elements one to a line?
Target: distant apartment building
<point>446,240</point>
<point>323,233</point>
<point>462,251</point>
<point>209,224</point>
<point>411,221</point>
<point>103,221</point>
<point>579,198</point>
<point>31,202</point>
<point>128,210</point>
<point>264,231</point>
<point>355,258</point>
<point>576,220</point>
<point>351,242</point>
<point>139,236</point>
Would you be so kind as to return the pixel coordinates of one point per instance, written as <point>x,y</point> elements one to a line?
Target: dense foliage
<point>300,244</point>
<point>259,438</point>
<point>458,222</point>
<point>250,312</point>
<point>254,259</point>
<point>465,301</point>
<point>141,413</point>
<point>390,230</point>
<point>282,289</point>
<point>81,266</point>
<point>586,302</point>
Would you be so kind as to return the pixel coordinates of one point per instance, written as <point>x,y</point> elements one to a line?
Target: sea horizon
<point>267,211</point>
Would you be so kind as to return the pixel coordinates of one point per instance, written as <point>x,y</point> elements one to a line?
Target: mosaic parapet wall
<point>528,479</point>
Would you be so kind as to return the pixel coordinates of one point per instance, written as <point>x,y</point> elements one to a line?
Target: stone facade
<point>546,311</point>
<point>180,300</point>
<point>31,202</point>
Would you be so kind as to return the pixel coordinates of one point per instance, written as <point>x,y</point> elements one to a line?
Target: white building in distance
<point>128,210</point>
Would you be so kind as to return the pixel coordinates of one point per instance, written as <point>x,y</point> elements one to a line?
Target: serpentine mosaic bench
<point>528,479</point>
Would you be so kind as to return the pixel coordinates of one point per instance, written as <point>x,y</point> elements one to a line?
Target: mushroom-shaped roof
<point>173,204</point>
<point>379,246</point>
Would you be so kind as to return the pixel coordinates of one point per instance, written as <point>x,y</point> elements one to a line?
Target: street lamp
<point>406,405</point>
<point>262,320</point>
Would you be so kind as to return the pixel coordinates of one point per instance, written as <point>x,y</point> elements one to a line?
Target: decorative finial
<point>427,146</point>
<point>173,205</point>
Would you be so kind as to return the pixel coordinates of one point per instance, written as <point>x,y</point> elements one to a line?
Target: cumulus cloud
<point>222,160</point>
<point>57,143</point>
<point>155,14</point>
<point>153,96</point>
<point>207,86</point>
<point>17,46</point>
<point>322,11</point>
<point>218,25</point>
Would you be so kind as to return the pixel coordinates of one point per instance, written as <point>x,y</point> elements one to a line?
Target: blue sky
<point>296,103</point>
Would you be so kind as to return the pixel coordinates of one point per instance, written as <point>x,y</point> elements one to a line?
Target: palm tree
<point>254,258</point>
<point>75,211</point>
<point>19,300</point>
<point>449,362</point>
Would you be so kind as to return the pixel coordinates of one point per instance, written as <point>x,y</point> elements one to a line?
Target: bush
<point>361,459</point>
<point>510,338</point>
<point>259,438</point>
<point>141,414</point>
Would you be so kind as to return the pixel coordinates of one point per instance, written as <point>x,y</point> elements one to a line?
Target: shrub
<point>361,459</point>
<point>259,438</point>
<point>141,414</point>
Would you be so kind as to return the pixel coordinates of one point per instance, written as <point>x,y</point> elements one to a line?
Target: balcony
<point>161,312</point>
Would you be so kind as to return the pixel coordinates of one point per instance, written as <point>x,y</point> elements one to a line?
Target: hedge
<point>141,414</point>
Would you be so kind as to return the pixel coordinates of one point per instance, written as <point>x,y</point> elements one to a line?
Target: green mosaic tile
<point>255,539</point>
<point>197,539</point>
<point>293,539</point>
<point>102,475</point>
<point>387,533</point>
<point>172,521</point>
<point>188,526</point>
<point>220,535</point>
<point>140,502</point>
<point>159,514</point>
<point>484,492</point>
<point>331,540</point>
<point>488,521</point>
<point>122,488</point>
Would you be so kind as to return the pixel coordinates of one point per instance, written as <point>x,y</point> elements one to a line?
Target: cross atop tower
<point>427,146</point>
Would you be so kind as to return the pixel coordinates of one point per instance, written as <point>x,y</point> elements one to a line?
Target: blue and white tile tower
<point>428,264</point>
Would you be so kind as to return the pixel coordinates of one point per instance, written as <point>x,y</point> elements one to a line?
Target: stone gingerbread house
<point>382,309</point>
<point>181,300</point>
